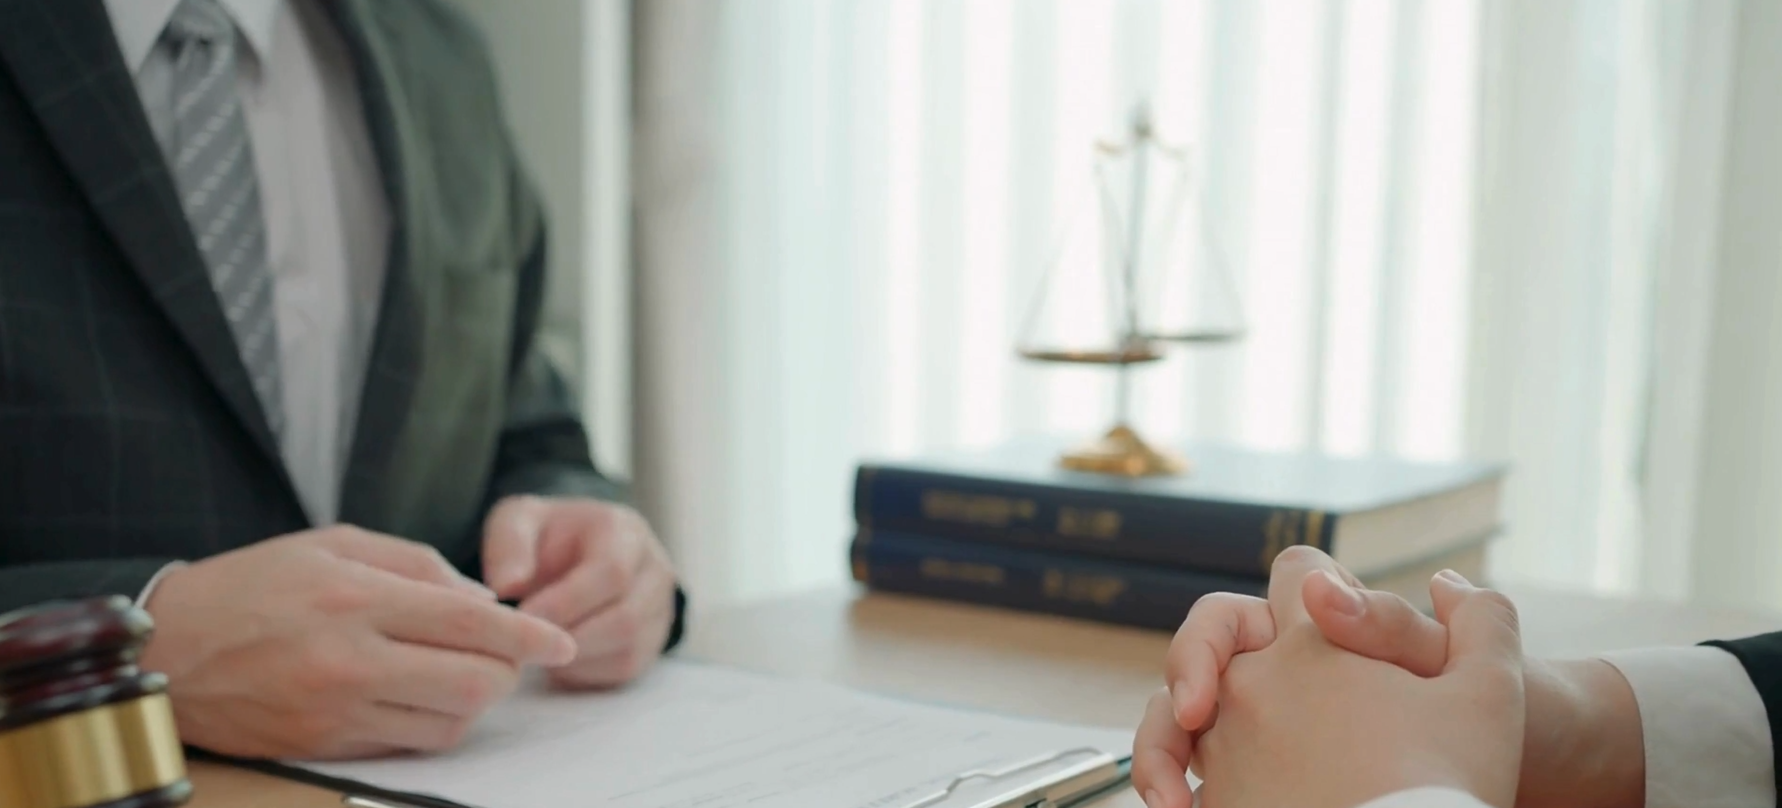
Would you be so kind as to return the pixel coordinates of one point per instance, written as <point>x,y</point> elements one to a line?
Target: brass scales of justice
<point>1131,266</point>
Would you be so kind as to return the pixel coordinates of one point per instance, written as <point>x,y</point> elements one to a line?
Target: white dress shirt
<point>327,227</point>
<point>1706,735</point>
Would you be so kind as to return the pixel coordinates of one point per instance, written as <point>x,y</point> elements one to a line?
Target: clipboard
<point>1092,778</point>
<point>703,734</point>
<point>1097,775</point>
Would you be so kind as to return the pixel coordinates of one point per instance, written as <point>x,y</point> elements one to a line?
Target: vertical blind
<point>930,152</point>
<point>845,206</point>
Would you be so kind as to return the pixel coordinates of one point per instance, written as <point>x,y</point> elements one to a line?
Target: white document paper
<point>695,736</point>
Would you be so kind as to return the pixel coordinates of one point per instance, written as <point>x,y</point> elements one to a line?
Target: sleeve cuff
<point>1427,798</point>
<point>148,589</point>
<point>1704,728</point>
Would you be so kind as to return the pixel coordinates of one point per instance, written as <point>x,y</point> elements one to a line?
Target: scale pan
<point>1108,356</point>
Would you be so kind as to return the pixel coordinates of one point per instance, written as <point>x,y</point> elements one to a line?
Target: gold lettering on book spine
<point>1101,524</point>
<point>1075,587</point>
<point>976,509</point>
<point>962,572</point>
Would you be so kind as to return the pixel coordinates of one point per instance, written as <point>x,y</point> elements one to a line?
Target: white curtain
<point>1459,227</point>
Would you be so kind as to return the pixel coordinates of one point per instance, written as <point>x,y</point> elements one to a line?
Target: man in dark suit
<point>1658,727</point>
<point>270,280</point>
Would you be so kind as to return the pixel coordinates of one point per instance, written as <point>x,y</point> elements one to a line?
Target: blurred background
<point>790,234</point>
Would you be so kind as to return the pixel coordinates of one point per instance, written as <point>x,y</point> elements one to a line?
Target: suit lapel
<point>396,355</point>
<point>64,58</point>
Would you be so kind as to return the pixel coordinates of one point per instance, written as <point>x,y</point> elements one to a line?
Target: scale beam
<point>1098,316</point>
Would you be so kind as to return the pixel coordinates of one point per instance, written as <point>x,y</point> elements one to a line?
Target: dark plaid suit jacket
<point>129,434</point>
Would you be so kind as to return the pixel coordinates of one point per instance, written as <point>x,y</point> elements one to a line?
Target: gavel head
<point>81,726</point>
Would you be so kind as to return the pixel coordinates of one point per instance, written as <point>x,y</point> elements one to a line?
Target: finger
<point>561,547</point>
<point>510,544</point>
<point>1205,744</point>
<point>414,729</point>
<point>611,562</point>
<point>1220,626</point>
<point>454,683</point>
<point>618,644</point>
<point>1444,596</point>
<point>1160,754</point>
<point>446,619</point>
<point>608,670</point>
<point>643,616</point>
<point>412,560</point>
<point>1286,580</point>
<point>593,585</point>
<point>1483,628</point>
<point>1377,625</point>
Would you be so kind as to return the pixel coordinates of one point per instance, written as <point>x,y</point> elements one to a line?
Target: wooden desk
<point>1023,664</point>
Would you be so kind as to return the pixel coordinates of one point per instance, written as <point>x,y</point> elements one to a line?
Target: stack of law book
<point>1007,527</point>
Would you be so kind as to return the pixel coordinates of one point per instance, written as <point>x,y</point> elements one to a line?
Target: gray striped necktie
<point>213,167</point>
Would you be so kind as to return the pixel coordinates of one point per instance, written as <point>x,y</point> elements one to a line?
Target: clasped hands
<point>1327,695</point>
<point>343,643</point>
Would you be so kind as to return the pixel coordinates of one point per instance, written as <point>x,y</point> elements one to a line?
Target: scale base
<point>1121,452</point>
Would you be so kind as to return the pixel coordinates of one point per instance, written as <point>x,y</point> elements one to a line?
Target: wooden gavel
<point>81,726</point>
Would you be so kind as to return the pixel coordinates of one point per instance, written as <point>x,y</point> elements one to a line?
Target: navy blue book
<point>1232,514</point>
<point>1074,586</point>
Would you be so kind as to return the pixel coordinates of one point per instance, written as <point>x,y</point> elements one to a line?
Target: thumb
<point>1376,625</point>
<point>510,545</point>
<point>1483,627</point>
<point>1484,685</point>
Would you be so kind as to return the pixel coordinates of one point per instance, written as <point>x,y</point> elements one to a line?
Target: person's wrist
<point>1582,746</point>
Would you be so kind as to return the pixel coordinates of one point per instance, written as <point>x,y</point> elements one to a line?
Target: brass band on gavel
<point>81,726</point>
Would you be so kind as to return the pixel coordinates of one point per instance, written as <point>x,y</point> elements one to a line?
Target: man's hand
<point>1582,742</point>
<point>1305,723</point>
<point>336,643</point>
<point>591,567</point>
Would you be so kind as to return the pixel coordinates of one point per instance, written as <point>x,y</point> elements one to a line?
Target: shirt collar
<point>138,24</point>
